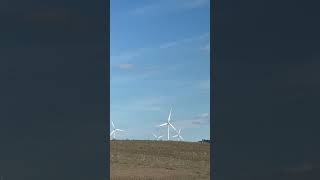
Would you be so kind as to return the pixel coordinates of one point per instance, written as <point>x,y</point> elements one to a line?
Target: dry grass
<point>159,160</point>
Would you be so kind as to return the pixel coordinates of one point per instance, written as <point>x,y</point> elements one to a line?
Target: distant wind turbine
<point>168,124</point>
<point>113,132</point>
<point>178,135</point>
<point>156,137</point>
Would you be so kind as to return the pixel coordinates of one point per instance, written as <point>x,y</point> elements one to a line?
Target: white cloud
<point>133,55</point>
<point>125,66</point>
<point>147,104</point>
<point>203,118</point>
<point>195,122</point>
<point>143,104</point>
<point>206,48</point>
<point>183,41</point>
<point>126,57</point>
<point>169,44</point>
<point>192,4</point>
<point>168,6</point>
<point>204,85</point>
<point>144,9</point>
<point>142,73</point>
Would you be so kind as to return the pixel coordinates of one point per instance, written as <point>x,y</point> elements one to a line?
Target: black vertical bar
<point>213,83</point>
<point>107,86</point>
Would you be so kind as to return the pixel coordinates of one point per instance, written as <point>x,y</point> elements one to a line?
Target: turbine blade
<point>169,118</point>
<point>163,124</point>
<point>154,135</point>
<point>120,130</point>
<point>181,137</point>
<point>173,127</point>
<point>175,136</point>
<point>112,132</point>
<point>112,124</point>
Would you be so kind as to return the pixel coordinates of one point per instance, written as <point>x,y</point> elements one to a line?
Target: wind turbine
<point>168,124</point>
<point>156,137</point>
<point>178,135</point>
<point>115,130</point>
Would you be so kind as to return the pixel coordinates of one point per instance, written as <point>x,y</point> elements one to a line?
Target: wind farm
<point>168,125</point>
<point>159,90</point>
<point>165,156</point>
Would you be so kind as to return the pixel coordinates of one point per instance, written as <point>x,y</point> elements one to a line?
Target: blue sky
<point>160,59</point>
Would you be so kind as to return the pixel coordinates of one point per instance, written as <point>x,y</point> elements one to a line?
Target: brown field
<point>159,160</point>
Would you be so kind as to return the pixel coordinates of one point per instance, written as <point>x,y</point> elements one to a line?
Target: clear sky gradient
<point>160,59</point>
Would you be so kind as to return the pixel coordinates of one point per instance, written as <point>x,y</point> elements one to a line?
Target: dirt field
<point>159,160</point>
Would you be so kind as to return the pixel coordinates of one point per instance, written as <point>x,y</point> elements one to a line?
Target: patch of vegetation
<point>157,160</point>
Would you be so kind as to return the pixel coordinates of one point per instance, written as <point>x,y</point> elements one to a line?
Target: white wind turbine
<point>156,137</point>
<point>168,124</point>
<point>178,135</point>
<point>113,132</point>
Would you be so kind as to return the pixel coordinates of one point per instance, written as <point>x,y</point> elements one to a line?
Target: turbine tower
<point>168,124</point>
<point>113,132</point>
<point>178,135</point>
